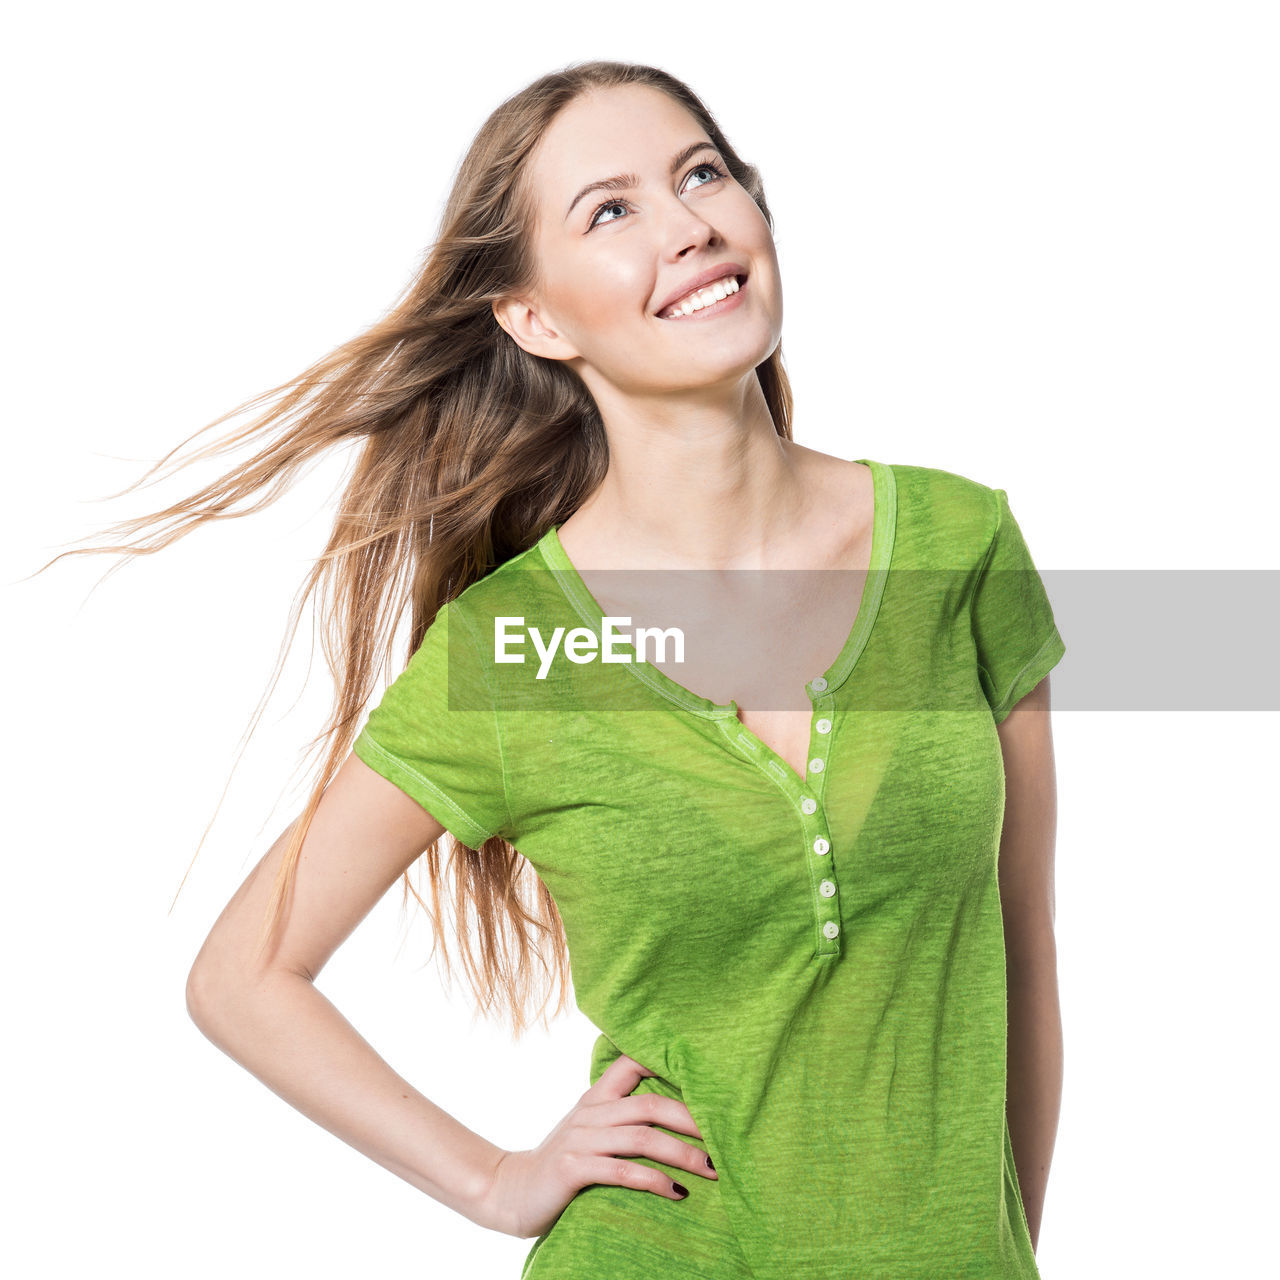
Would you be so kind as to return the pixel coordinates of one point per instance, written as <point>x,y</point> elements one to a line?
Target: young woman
<point>805,876</point>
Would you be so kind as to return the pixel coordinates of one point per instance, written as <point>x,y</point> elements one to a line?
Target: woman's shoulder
<point>947,506</point>
<point>935,484</point>
<point>518,584</point>
<point>941,483</point>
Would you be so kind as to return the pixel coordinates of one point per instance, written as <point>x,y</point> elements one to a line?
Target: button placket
<point>826,899</point>
<point>826,904</point>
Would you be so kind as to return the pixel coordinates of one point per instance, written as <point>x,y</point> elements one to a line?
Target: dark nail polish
<point>681,1191</point>
<point>710,1165</point>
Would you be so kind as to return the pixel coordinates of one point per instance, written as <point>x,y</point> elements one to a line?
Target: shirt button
<point>823,726</point>
<point>820,845</point>
<point>818,683</point>
<point>826,888</point>
<point>830,929</point>
<point>816,766</point>
<point>809,804</point>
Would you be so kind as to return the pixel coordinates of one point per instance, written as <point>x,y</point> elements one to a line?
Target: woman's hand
<point>528,1190</point>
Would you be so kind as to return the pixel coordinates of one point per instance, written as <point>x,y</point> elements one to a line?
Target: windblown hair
<point>467,449</point>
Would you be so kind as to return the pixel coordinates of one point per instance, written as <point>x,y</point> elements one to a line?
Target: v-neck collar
<point>883,531</point>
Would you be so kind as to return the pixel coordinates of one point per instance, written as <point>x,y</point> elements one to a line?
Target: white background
<point>1032,244</point>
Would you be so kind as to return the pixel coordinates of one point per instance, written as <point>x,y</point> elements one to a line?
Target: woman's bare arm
<point>269,1016</point>
<point>1027,897</point>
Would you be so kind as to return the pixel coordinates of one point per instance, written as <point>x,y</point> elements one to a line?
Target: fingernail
<point>681,1191</point>
<point>709,1164</point>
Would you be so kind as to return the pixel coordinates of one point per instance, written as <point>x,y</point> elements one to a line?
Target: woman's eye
<point>613,204</point>
<point>707,168</point>
<point>712,169</point>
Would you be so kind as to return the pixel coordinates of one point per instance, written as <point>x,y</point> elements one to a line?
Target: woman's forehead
<point>608,132</point>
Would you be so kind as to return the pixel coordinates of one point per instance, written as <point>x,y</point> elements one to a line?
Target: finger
<point>620,1077</point>
<point>627,1173</point>
<point>658,1146</point>
<point>651,1108</point>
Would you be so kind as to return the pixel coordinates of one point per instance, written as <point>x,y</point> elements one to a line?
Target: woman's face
<point>612,258</point>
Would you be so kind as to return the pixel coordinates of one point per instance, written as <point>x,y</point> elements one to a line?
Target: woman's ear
<point>529,328</point>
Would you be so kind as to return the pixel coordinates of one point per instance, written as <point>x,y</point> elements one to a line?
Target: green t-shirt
<point>815,966</point>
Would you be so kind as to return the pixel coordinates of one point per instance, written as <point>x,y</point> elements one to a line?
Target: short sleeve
<point>1013,625</point>
<point>435,733</point>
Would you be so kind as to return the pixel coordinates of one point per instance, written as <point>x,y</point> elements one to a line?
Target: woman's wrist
<point>490,1209</point>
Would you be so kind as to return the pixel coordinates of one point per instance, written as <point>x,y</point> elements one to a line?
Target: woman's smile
<point>704,302</point>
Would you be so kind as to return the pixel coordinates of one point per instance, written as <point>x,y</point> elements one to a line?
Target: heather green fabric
<point>817,965</point>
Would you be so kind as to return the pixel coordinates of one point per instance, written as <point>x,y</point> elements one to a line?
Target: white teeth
<point>704,297</point>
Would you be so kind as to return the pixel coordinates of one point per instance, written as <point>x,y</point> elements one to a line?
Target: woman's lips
<point>727,303</point>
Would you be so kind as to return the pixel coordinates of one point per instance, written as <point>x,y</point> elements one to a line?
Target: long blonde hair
<point>469,449</point>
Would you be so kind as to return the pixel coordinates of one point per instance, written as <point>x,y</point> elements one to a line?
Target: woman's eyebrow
<point>625,181</point>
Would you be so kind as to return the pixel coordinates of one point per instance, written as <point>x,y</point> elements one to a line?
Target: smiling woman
<point>778,879</point>
<point>678,237</point>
